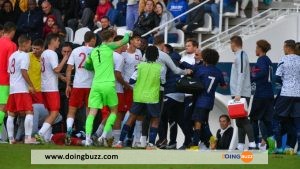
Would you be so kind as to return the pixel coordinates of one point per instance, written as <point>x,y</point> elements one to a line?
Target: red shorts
<point>128,99</point>
<point>79,96</point>
<point>121,104</point>
<point>51,100</point>
<point>37,98</point>
<point>19,102</point>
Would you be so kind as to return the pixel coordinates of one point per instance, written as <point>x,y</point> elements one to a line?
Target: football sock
<point>89,124</point>
<point>116,134</point>
<point>10,127</point>
<point>44,129</point>
<point>137,131</point>
<point>70,122</point>
<point>152,135</point>
<point>28,125</point>
<point>124,132</point>
<point>99,131</point>
<point>110,122</point>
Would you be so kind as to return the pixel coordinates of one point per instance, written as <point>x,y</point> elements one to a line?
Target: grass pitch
<point>18,157</point>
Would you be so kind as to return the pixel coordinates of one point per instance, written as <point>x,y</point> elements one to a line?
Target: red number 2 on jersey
<point>12,69</point>
<point>82,61</point>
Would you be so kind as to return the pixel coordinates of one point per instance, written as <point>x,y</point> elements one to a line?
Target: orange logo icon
<point>247,156</point>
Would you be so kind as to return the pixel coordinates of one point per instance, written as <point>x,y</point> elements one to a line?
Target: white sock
<point>99,131</point>
<point>143,140</point>
<point>10,127</point>
<point>240,146</point>
<point>116,135</point>
<point>88,137</point>
<point>44,128</point>
<point>28,123</point>
<point>70,122</point>
<point>252,144</point>
<point>137,131</point>
<point>104,134</point>
<point>48,134</point>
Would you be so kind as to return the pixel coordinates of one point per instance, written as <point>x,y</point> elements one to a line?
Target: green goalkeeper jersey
<point>101,61</point>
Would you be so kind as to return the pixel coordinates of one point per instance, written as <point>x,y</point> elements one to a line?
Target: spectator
<point>20,5</point>
<point>240,88</point>
<point>31,22</point>
<point>254,8</point>
<point>121,9</point>
<point>132,13</point>
<point>147,20</point>
<point>7,13</point>
<point>50,21</point>
<point>69,10</point>
<point>105,25</point>
<point>229,5</point>
<point>177,7</point>
<point>142,5</point>
<point>55,29</point>
<point>49,10</point>
<point>88,8</point>
<point>165,16</point>
<point>195,19</point>
<point>102,10</point>
<point>213,8</point>
<point>224,134</point>
<point>1,3</point>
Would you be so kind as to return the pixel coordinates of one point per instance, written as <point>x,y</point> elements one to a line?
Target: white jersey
<point>83,78</point>
<point>49,61</point>
<point>131,60</point>
<point>17,61</point>
<point>118,65</point>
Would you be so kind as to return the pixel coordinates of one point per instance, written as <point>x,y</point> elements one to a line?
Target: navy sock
<point>196,137</point>
<point>124,132</point>
<point>152,135</point>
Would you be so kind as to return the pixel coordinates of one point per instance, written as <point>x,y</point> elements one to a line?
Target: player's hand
<point>127,87</point>
<point>31,89</point>
<point>68,91</point>
<point>189,71</point>
<point>237,98</point>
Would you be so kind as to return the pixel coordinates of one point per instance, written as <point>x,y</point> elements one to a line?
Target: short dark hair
<point>105,17</point>
<point>169,48</point>
<point>68,44</point>
<point>118,38</point>
<point>106,34</point>
<point>264,45</point>
<point>134,36</point>
<point>158,40</point>
<point>236,40</point>
<point>151,53</point>
<point>210,56</point>
<point>193,41</point>
<point>50,37</point>
<point>290,44</point>
<point>38,42</point>
<point>9,27</point>
<point>23,39</point>
<point>88,36</point>
<point>225,116</point>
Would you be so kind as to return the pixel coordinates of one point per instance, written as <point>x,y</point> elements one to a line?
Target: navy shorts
<point>201,115</point>
<point>287,106</point>
<point>172,108</point>
<point>262,109</point>
<point>141,109</point>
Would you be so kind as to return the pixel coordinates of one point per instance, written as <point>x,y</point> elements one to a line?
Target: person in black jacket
<point>195,19</point>
<point>147,20</point>
<point>224,134</point>
<point>8,13</point>
<point>31,21</point>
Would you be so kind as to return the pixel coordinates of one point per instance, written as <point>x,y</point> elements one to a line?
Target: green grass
<point>18,157</point>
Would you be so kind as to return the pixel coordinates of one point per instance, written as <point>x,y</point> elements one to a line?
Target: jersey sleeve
<point>279,71</point>
<point>71,60</point>
<point>25,62</point>
<point>119,63</point>
<point>163,73</point>
<point>53,60</point>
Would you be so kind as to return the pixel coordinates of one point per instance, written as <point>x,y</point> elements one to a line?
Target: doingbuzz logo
<point>245,156</point>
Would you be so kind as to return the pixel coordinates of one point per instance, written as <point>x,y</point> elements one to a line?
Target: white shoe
<point>138,145</point>
<point>31,141</point>
<point>151,146</point>
<point>3,142</point>
<point>12,141</point>
<point>254,13</point>
<point>242,14</point>
<point>102,141</point>
<point>119,144</point>
<point>88,142</point>
<point>215,31</point>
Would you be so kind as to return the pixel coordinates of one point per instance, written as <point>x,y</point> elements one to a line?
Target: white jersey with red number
<point>83,78</point>
<point>49,61</point>
<point>18,60</point>
<point>118,65</point>
<point>131,60</point>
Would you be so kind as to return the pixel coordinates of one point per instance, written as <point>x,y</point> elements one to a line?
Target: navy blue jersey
<point>211,77</point>
<point>261,76</point>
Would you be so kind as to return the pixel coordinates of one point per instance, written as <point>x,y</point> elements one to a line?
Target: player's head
<point>198,55</point>
<point>24,43</point>
<point>108,35</point>
<point>224,121</point>
<point>1,30</point>
<point>191,45</point>
<point>262,47</point>
<point>67,48</point>
<point>9,29</point>
<point>105,23</point>
<point>210,56</point>
<point>122,48</point>
<point>236,43</point>
<point>135,41</point>
<point>55,28</point>
<point>297,49</point>
<point>289,47</point>
<point>90,39</point>
<point>151,53</point>
<point>159,42</point>
<point>52,41</point>
<point>37,47</point>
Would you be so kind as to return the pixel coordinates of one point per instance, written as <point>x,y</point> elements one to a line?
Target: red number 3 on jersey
<point>12,69</point>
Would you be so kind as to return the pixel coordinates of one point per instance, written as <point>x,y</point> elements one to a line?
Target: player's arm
<point>241,65</point>
<point>261,71</point>
<point>116,45</point>
<point>61,64</point>
<point>133,78</point>
<point>28,81</point>
<point>223,84</point>
<point>121,80</point>
<point>163,73</point>
<point>89,62</point>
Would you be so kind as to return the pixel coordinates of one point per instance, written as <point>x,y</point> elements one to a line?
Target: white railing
<point>165,25</point>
